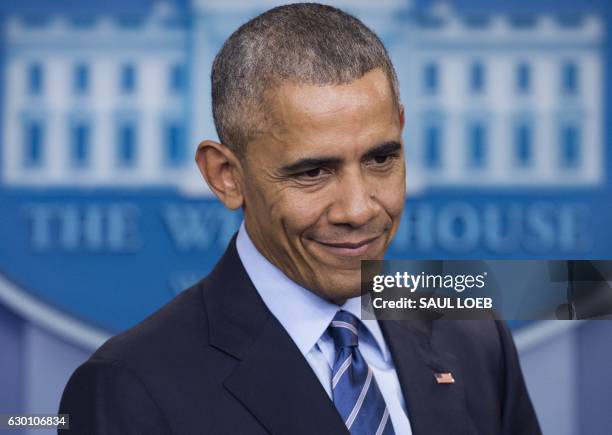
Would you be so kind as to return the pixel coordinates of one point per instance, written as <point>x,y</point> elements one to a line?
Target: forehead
<point>306,116</point>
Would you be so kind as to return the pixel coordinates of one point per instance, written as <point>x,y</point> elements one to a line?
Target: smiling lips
<point>350,248</point>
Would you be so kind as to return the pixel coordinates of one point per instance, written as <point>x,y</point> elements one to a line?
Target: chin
<point>339,294</point>
<point>337,284</point>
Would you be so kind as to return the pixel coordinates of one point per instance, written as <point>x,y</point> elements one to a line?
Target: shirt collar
<point>303,314</point>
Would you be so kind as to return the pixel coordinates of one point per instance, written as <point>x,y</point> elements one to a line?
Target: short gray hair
<point>302,43</point>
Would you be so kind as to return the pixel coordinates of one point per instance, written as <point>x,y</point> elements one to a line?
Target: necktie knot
<point>343,329</point>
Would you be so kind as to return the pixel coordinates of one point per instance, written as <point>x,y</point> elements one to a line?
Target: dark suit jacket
<point>216,361</point>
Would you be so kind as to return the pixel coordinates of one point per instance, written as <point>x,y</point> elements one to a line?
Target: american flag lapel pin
<point>444,378</point>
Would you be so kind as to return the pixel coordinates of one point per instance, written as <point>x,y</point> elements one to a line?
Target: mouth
<point>350,248</point>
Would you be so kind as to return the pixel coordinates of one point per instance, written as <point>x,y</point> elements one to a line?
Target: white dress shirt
<point>306,317</point>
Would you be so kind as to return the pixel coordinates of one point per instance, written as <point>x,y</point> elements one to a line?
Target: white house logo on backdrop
<point>108,101</point>
<point>102,113</point>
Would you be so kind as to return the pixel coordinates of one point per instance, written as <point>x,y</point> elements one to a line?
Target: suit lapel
<point>275,383</point>
<point>278,386</point>
<point>272,379</point>
<point>432,408</point>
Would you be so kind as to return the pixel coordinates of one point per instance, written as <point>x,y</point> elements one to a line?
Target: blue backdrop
<point>104,216</point>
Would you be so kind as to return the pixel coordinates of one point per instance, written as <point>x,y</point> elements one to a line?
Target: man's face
<point>324,182</point>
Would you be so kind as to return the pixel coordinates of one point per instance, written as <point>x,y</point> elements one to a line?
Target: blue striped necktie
<point>354,389</point>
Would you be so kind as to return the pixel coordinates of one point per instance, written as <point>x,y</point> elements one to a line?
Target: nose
<point>354,203</point>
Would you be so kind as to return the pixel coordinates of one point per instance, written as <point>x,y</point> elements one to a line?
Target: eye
<point>312,173</point>
<point>382,160</point>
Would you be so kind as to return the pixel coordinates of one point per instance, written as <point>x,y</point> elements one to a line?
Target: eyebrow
<point>308,163</point>
<point>384,148</point>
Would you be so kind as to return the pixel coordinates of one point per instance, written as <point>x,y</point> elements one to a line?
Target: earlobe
<point>220,167</point>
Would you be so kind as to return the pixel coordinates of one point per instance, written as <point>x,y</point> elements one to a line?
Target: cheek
<point>392,195</point>
<point>296,211</point>
<point>308,210</point>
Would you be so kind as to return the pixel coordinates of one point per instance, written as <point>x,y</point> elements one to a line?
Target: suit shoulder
<point>174,329</point>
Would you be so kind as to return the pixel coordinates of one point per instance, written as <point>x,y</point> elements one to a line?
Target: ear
<point>221,169</point>
<point>401,115</point>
